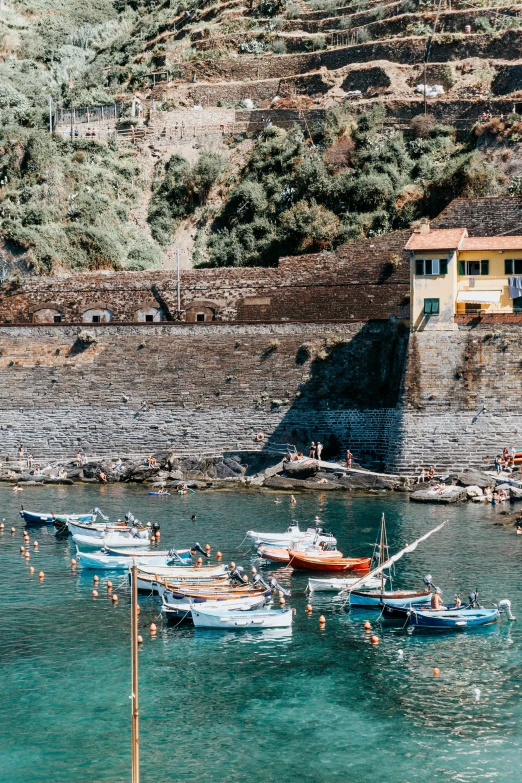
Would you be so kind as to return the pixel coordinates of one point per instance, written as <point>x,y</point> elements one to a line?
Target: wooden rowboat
<point>305,562</point>
<point>280,554</point>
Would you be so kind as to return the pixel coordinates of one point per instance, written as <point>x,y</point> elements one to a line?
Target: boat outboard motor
<point>155,527</point>
<point>505,606</point>
<point>198,548</point>
<point>473,600</point>
<point>98,513</point>
<point>173,553</point>
<point>274,585</point>
<point>238,576</point>
<point>428,582</point>
<point>129,517</point>
<point>259,581</point>
<point>135,533</point>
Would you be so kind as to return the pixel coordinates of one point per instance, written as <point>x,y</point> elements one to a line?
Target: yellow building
<point>453,274</point>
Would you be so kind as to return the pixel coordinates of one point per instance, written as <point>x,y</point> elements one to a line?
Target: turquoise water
<point>312,705</point>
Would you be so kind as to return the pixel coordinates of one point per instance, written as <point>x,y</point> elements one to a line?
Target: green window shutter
<point>484,267</point>
<point>518,266</point>
<point>419,266</point>
<point>431,306</point>
<point>462,268</point>
<point>508,266</point>
<point>443,266</point>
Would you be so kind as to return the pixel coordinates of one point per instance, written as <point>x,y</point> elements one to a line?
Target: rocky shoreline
<point>252,470</point>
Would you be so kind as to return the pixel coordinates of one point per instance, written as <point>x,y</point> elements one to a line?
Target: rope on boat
<point>241,544</point>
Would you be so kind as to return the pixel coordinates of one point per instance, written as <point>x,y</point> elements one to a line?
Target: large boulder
<point>300,470</point>
<point>475,478</point>
<point>446,495</point>
<point>473,492</point>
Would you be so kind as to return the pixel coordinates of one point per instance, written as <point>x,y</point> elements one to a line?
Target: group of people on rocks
<point>81,459</point>
<point>426,475</point>
<point>506,460</point>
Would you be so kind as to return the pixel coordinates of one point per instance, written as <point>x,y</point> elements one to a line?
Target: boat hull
<point>453,620</point>
<point>359,565</point>
<point>117,541</point>
<point>335,584</point>
<point>280,554</point>
<point>393,598</point>
<point>241,621</point>
<point>31,518</point>
<point>115,562</point>
<point>177,606</point>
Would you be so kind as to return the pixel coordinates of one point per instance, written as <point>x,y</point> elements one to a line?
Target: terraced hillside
<point>255,129</point>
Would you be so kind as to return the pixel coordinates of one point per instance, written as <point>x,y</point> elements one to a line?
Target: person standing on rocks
<point>78,459</point>
<point>349,458</point>
<point>312,450</point>
<point>319,449</point>
<point>21,451</point>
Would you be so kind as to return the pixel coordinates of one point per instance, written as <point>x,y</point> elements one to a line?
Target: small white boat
<point>313,535</point>
<point>112,540</point>
<point>220,619</point>
<point>175,605</point>
<point>335,584</point>
<point>97,529</point>
<point>99,560</point>
<point>183,571</point>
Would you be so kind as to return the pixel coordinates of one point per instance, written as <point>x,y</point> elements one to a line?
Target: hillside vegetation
<point>70,203</point>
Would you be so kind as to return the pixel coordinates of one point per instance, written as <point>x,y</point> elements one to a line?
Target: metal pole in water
<point>134,697</point>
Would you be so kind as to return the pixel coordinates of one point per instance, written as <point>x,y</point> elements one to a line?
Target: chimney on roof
<point>424,226</point>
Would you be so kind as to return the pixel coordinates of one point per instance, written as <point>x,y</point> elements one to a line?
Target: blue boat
<point>31,518</point>
<point>453,619</point>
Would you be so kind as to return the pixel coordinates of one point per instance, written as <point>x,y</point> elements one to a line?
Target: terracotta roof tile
<point>492,243</point>
<point>437,239</point>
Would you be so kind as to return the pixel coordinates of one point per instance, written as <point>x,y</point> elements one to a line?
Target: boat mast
<point>134,696</point>
<point>383,555</point>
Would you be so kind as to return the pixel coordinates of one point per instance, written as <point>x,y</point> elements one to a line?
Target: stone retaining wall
<point>137,390</point>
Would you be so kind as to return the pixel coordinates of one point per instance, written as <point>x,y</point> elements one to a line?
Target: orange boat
<point>346,564</point>
<point>279,554</point>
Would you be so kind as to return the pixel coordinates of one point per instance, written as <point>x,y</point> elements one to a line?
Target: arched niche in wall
<point>46,313</point>
<point>148,312</point>
<point>200,311</point>
<point>97,314</point>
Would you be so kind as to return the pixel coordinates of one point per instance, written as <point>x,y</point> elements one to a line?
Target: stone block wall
<point>462,398</point>
<point>137,390</point>
<point>360,281</point>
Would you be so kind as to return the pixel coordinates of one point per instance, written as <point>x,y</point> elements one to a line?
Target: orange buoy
<point>95,594</point>
<point>138,607</point>
<point>218,555</point>
<point>367,625</point>
<point>375,640</point>
<point>232,565</point>
<point>27,555</point>
<point>200,561</point>
<point>2,525</point>
<point>73,562</point>
<point>322,620</point>
<point>13,530</point>
<point>436,672</point>
<point>22,549</point>
<point>35,543</point>
<point>95,578</point>
<point>158,535</point>
<point>207,547</point>
<point>152,540</point>
<point>109,585</point>
<point>153,628</point>
<point>41,574</point>
<point>140,639</point>
<point>115,599</point>
<point>308,608</point>
<point>31,570</point>
<point>282,601</point>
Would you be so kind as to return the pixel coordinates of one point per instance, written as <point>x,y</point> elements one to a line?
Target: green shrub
<point>278,46</point>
